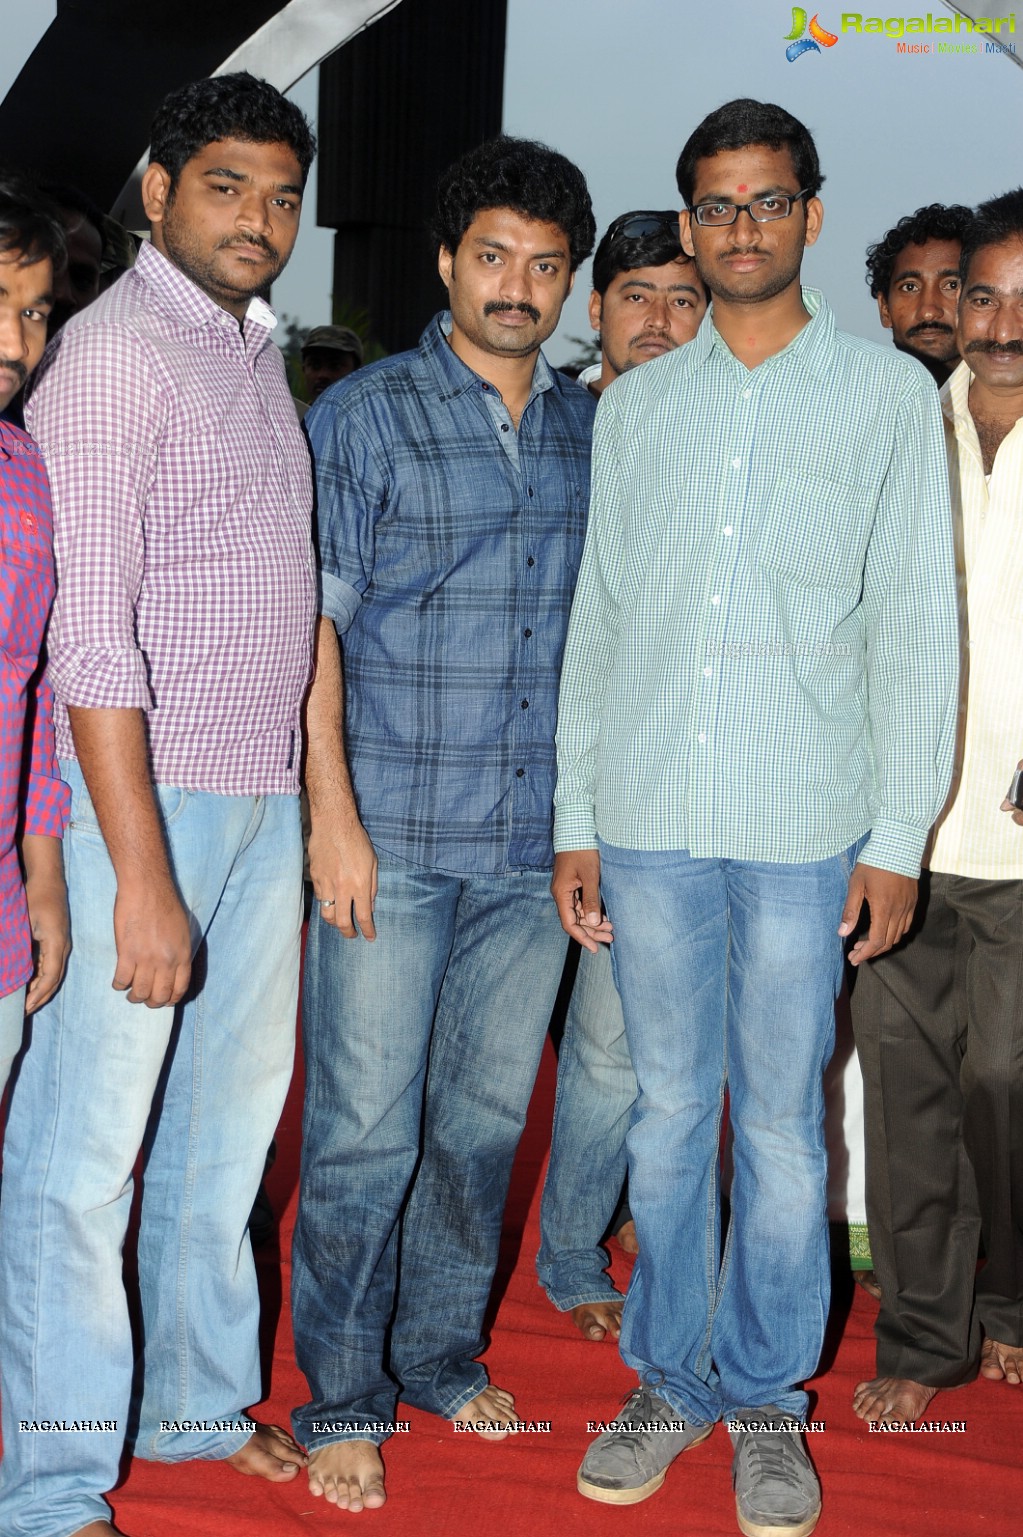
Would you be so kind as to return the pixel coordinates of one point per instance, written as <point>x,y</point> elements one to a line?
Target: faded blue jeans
<point>728,974</point>
<point>200,1088</point>
<point>421,1049</point>
<point>596,1091</point>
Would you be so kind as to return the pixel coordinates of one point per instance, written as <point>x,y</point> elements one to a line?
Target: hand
<point>1017,815</point>
<point>51,932</point>
<point>343,867</point>
<point>575,887</point>
<point>154,945</point>
<point>891,899</point>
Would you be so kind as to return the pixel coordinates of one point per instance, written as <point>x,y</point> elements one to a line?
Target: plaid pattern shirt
<point>33,799</point>
<point>182,497</point>
<point>449,550</point>
<point>762,658</point>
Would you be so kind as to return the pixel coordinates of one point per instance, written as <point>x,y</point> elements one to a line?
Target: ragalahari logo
<point>798,44</point>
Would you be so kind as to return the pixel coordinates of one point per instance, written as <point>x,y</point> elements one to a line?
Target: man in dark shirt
<point>453,486</point>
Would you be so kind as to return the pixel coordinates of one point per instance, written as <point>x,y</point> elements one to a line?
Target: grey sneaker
<point>628,1461</point>
<point>776,1489</point>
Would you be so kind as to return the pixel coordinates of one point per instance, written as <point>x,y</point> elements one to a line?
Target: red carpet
<point>443,1485</point>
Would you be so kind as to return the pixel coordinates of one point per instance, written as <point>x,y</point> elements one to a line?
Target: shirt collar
<point>454,376</point>
<point>955,395</point>
<point>184,301</point>
<point>812,348</point>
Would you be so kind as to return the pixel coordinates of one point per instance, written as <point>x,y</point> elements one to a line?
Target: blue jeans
<point>728,974</point>
<point>595,1094</point>
<point>12,1028</point>
<point>200,1088</point>
<point>421,1050</point>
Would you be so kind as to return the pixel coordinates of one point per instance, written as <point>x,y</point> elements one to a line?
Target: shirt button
<point>530,561</point>
<point>527,633</point>
<point>702,736</point>
<point>524,704</point>
<point>746,394</point>
<point>485,386</point>
<point>736,464</point>
<point>727,530</point>
<point>520,773</point>
<point>504,426</point>
<point>716,598</point>
<point>707,671</point>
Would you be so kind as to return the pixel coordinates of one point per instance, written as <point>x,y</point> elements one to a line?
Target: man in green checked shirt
<point>755,735</point>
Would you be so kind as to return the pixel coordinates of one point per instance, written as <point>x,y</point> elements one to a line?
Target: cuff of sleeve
<point>339,601</point>
<point>895,846</point>
<point>98,678</point>
<point>574,827</point>
<point>47,807</point>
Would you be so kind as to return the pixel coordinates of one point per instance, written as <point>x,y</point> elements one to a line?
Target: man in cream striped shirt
<point>939,1024</point>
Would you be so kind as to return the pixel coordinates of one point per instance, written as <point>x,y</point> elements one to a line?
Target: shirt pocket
<point>814,531</point>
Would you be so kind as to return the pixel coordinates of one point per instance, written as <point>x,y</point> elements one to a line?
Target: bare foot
<point>348,1474</point>
<point>269,1453</point>
<point>1001,1363</point>
<point>491,1408</point>
<point>869,1282</point>
<point>892,1400</point>
<point>596,1320</point>
<point>626,1236</point>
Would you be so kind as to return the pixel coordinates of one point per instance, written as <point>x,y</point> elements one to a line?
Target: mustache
<point>750,250</point>
<point>16,367</point>
<point>259,241</point>
<point>502,307</point>
<point>1013,348</point>
<point>930,325</point>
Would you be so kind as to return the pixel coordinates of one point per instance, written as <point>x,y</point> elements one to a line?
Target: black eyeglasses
<point>633,226</point>
<point>763,210</point>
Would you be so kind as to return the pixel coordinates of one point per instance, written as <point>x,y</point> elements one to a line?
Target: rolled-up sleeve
<point>97,415</point>
<point>46,798</point>
<point>351,492</point>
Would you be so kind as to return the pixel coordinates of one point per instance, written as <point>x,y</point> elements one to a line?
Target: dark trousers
<point>939,1030</point>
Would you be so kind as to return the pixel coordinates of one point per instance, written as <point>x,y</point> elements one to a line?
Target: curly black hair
<point>29,223</point>
<point>935,221</point>
<point>227,107</point>
<point>1000,218</point>
<point>740,123</point>
<point>520,174</point>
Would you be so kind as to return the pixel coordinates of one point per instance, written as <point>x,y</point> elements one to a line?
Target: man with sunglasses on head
<point>647,300</point>
<point>755,732</point>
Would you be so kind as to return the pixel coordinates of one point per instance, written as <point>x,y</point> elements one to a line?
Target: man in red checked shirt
<point>33,800</point>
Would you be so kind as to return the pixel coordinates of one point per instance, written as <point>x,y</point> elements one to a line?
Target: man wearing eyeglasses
<point>755,732</point>
<point>647,299</point>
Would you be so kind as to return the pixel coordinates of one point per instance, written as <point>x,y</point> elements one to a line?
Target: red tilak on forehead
<point>743,187</point>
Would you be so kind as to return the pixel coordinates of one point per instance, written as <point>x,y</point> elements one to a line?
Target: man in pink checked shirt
<point>180,650</point>
<point>33,800</point>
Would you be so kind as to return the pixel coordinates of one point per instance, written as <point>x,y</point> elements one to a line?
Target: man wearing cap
<point>329,353</point>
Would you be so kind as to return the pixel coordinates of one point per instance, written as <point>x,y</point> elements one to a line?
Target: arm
<point>46,894</point>
<point>342,862</point>
<point>46,801</point>
<point>589,652</point>
<point>909,604</point>
<point>151,927</point>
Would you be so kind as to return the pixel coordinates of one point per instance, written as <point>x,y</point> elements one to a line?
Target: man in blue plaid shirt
<point>453,489</point>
